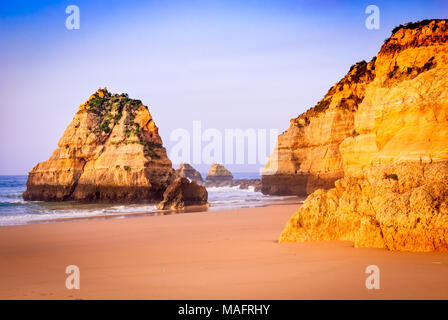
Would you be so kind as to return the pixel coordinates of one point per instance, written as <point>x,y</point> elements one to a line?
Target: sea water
<point>15,211</point>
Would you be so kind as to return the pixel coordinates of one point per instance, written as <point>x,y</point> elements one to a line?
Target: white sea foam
<point>15,211</point>
<point>37,214</point>
<point>234,197</point>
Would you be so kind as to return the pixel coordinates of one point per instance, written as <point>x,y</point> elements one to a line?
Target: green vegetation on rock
<point>109,111</point>
<point>414,25</point>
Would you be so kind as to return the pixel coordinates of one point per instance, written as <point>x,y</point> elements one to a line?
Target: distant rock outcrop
<point>218,173</point>
<point>388,142</point>
<point>183,193</point>
<point>110,152</point>
<point>187,171</point>
<point>246,183</point>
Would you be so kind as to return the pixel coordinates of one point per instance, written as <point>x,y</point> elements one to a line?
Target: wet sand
<point>230,254</point>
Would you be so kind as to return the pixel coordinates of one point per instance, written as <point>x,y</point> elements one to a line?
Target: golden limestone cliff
<point>401,206</point>
<point>111,151</point>
<point>343,131</point>
<point>391,153</point>
<point>307,155</point>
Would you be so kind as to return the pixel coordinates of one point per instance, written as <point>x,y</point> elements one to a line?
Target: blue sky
<point>230,64</point>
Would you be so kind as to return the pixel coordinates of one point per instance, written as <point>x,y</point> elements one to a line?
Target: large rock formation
<point>355,123</point>
<point>307,155</point>
<point>401,206</point>
<point>218,173</point>
<point>183,193</point>
<point>111,151</point>
<point>392,151</point>
<point>187,171</point>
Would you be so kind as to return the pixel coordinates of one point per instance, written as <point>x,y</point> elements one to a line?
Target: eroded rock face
<point>187,171</point>
<point>218,173</point>
<point>307,155</point>
<point>402,206</point>
<point>183,193</point>
<point>110,152</point>
<point>390,109</point>
<point>394,192</point>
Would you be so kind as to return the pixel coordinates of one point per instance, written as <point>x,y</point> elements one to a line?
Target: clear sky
<point>230,64</point>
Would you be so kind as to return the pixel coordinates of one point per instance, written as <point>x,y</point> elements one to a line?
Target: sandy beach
<point>230,254</point>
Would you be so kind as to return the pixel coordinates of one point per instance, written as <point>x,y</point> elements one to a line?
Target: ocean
<point>15,211</point>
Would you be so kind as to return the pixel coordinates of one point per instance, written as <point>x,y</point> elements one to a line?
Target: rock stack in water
<point>187,171</point>
<point>383,130</point>
<point>219,174</point>
<point>110,152</point>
